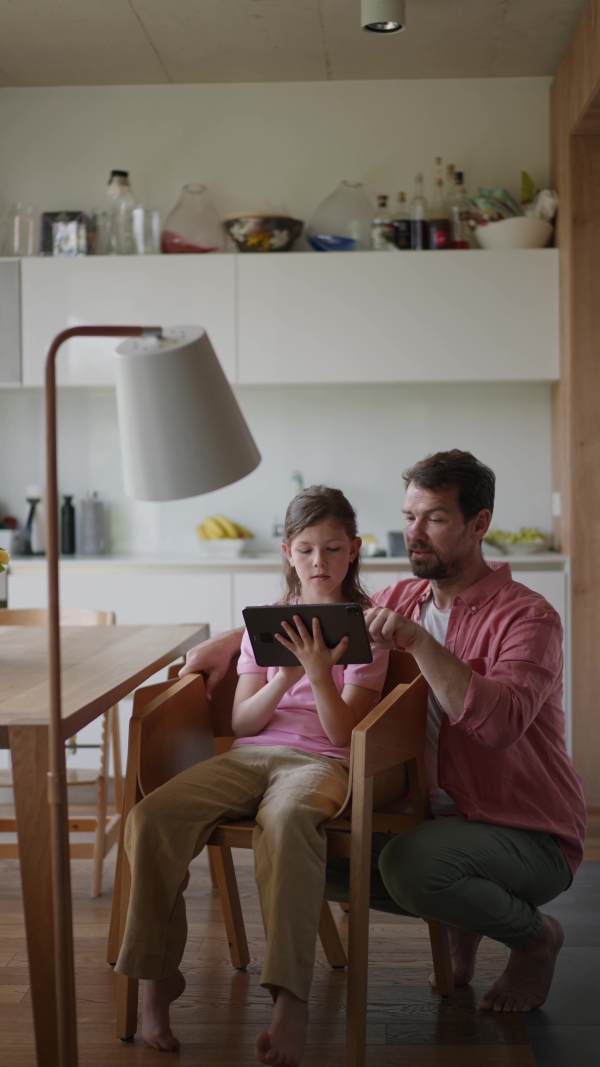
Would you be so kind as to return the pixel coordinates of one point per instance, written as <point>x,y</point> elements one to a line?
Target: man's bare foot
<point>463,953</point>
<point>525,983</point>
<point>282,1045</point>
<point>157,999</point>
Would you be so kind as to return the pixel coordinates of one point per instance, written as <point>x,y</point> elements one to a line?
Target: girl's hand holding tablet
<point>310,649</point>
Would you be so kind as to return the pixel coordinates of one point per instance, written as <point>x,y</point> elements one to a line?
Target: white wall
<point>287,146</point>
<point>283,145</point>
<point>355,437</point>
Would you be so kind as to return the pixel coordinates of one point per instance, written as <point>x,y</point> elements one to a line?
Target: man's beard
<point>433,568</point>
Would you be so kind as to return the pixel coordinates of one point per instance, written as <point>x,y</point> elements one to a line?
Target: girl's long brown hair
<point>317,504</point>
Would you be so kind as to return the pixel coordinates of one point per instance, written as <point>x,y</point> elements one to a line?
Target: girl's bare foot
<point>157,999</point>
<point>463,953</point>
<point>282,1045</point>
<point>525,983</point>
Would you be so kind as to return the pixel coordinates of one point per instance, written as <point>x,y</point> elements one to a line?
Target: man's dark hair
<point>475,483</point>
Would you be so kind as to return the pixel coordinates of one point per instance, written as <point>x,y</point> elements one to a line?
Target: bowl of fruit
<point>220,538</point>
<point>523,542</point>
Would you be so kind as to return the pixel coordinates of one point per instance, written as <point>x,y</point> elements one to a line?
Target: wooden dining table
<point>100,665</point>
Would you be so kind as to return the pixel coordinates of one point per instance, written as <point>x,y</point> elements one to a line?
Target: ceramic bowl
<point>522,548</point>
<point>223,547</point>
<point>262,233</point>
<point>520,232</point>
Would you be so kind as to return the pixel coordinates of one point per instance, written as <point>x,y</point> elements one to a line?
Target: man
<point>508,836</point>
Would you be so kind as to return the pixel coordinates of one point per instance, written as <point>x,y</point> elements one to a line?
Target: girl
<point>287,768</point>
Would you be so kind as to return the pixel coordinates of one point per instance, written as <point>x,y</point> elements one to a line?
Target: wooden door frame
<point>575,140</point>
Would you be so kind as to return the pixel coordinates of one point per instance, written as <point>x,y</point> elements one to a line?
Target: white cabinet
<point>257,587</point>
<point>10,322</point>
<point>121,290</point>
<point>137,596</point>
<point>308,317</point>
<point>418,317</point>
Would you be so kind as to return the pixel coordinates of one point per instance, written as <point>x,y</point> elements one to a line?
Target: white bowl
<point>520,232</point>
<point>223,547</point>
<point>521,548</point>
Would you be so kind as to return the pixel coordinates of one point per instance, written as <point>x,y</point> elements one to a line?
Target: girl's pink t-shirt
<point>295,722</point>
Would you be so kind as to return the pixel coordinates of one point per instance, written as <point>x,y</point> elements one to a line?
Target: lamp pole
<point>57,783</point>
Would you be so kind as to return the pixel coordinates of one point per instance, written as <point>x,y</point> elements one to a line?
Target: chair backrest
<point>68,617</point>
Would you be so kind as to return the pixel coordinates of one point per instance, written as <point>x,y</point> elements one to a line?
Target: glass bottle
<point>460,210</point>
<point>439,218</point>
<point>418,218</point>
<point>342,222</point>
<point>401,224</point>
<point>449,187</point>
<point>382,229</point>
<point>67,527</point>
<point>121,204</point>
<point>193,225</point>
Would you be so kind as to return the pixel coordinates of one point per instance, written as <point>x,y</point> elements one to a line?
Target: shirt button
<point>473,609</point>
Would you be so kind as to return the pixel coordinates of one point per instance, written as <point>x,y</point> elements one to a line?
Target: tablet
<point>337,621</point>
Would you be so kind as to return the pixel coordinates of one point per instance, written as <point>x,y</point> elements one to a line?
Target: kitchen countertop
<point>257,561</point>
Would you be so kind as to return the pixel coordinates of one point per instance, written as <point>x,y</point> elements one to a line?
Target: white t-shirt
<point>436,623</point>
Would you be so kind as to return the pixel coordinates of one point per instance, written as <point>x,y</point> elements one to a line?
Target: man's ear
<point>481,524</point>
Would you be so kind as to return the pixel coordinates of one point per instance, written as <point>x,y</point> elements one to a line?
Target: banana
<point>213,529</point>
<point>242,531</point>
<point>202,533</point>
<point>229,527</point>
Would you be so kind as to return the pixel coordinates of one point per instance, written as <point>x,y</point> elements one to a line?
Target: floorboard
<point>221,1010</point>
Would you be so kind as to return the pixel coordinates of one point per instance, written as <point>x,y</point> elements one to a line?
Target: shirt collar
<point>485,589</point>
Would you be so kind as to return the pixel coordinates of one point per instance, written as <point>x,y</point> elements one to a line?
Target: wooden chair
<point>173,726</point>
<point>104,827</point>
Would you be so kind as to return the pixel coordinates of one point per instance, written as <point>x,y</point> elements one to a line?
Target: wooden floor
<point>222,1010</point>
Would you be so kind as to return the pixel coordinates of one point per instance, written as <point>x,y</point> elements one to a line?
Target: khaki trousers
<point>291,794</point>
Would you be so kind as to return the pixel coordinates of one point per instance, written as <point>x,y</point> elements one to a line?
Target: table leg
<point>29,752</point>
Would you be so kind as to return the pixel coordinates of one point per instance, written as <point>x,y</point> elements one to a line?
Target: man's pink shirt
<point>296,722</point>
<point>504,760</point>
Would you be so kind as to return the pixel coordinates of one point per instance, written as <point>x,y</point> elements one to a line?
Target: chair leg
<point>230,903</point>
<point>330,938</point>
<point>442,963</point>
<point>117,762</point>
<point>101,806</point>
<point>358,917</point>
<point>211,870</point>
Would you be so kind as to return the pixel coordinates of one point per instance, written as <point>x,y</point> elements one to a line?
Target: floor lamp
<point>182,434</point>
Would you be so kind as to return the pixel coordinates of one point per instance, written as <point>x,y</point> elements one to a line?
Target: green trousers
<point>488,879</point>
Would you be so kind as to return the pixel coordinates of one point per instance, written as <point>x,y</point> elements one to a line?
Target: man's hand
<point>389,629</point>
<point>212,658</point>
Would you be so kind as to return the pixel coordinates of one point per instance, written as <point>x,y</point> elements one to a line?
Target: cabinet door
<point>137,597</point>
<point>418,317</point>
<point>121,290</point>
<point>10,322</point>
<point>258,587</point>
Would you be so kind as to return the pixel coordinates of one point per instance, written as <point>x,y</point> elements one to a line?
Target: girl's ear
<point>285,548</point>
<point>355,548</point>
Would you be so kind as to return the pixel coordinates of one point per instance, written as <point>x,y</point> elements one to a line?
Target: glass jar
<point>193,225</point>
<point>342,222</point>
<point>21,231</point>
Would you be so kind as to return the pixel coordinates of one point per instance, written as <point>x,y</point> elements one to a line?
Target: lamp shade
<point>182,432</point>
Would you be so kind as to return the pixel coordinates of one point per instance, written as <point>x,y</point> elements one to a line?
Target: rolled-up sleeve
<point>504,698</point>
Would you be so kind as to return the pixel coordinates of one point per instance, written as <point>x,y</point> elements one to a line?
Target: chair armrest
<point>175,730</point>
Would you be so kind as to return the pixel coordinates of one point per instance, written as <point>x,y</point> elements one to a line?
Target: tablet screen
<point>337,621</point>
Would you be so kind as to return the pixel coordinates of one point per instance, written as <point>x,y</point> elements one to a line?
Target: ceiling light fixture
<point>383,16</point>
